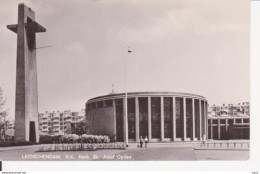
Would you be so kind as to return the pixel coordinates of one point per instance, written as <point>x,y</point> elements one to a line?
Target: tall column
<point>149,119</point>
<point>162,119</point>
<point>184,119</point>
<point>114,111</point>
<point>211,129</point>
<point>219,129</point>
<point>193,119</point>
<point>200,126</point>
<point>124,121</point>
<point>226,125</point>
<point>136,119</point>
<point>205,120</point>
<point>173,119</point>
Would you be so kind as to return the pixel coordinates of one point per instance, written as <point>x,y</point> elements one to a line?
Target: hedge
<point>15,143</point>
<point>73,138</point>
<point>47,139</point>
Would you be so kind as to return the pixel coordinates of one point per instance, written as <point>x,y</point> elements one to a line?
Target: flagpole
<point>126,116</point>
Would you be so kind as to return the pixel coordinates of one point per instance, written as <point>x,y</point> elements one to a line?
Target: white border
<point>250,165</point>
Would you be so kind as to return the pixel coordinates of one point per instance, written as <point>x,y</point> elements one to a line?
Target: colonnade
<point>191,124</point>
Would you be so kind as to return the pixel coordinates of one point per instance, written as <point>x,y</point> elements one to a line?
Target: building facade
<point>230,110</point>
<point>226,128</point>
<point>59,123</point>
<point>229,121</point>
<point>161,116</point>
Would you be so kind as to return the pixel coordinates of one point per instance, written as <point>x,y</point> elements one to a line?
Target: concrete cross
<point>26,100</point>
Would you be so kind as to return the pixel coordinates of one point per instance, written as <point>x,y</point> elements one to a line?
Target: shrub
<point>73,138</point>
<point>48,139</point>
<point>69,138</point>
<point>94,138</point>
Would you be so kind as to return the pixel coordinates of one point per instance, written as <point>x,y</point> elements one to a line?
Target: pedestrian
<point>141,141</point>
<point>204,138</point>
<point>146,141</point>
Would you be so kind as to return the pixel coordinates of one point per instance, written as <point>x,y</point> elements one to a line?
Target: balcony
<point>56,121</point>
<point>45,116</point>
<point>45,128</point>
<point>56,115</point>
<point>44,121</point>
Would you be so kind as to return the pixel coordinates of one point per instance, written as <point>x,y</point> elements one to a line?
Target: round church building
<point>161,116</point>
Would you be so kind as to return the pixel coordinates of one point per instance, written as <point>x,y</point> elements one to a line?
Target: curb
<point>222,149</point>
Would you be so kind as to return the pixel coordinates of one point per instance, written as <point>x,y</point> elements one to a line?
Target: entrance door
<point>32,133</point>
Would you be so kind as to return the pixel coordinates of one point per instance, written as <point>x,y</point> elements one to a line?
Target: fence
<point>225,145</point>
<point>80,147</point>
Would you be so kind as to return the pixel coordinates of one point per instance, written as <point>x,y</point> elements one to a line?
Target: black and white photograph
<point>125,80</point>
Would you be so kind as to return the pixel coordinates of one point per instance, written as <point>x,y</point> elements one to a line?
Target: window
<point>230,121</point>
<point>109,103</point>
<point>222,121</point>
<point>215,121</point>
<point>156,117</point>
<point>238,120</point>
<point>246,120</point>
<point>100,104</point>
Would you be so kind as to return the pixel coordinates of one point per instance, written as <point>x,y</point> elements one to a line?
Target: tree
<point>51,130</point>
<point>3,114</point>
<point>2,103</point>
<point>80,129</point>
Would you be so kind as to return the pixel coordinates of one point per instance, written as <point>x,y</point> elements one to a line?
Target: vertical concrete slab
<point>149,119</point>
<point>125,120</point>
<point>226,124</point>
<point>162,119</point>
<point>211,129</point>
<point>200,121</point>
<point>136,119</point>
<point>205,120</point>
<point>114,112</point>
<point>193,119</point>
<point>184,119</point>
<point>174,118</point>
<point>219,129</point>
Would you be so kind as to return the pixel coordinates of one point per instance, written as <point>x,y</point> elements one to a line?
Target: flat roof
<point>144,94</point>
<point>227,117</point>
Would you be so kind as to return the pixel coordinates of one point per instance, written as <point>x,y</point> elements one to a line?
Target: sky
<point>200,47</point>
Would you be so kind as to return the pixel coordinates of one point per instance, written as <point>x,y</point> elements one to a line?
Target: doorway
<point>32,133</point>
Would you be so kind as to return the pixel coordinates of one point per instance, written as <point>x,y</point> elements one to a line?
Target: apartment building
<point>230,110</point>
<point>59,123</point>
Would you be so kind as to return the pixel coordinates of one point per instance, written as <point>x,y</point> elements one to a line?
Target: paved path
<point>161,154</point>
<point>154,152</point>
<point>137,154</point>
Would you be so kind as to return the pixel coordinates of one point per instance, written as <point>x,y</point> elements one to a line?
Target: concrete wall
<point>102,121</point>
